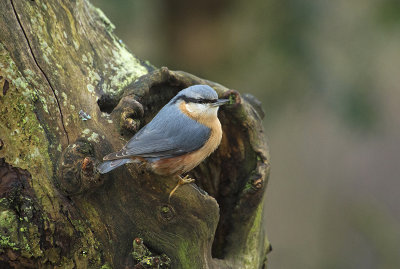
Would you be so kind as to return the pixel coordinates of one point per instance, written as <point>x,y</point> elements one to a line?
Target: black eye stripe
<point>197,101</point>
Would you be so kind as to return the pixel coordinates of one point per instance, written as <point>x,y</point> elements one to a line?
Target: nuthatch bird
<point>183,133</point>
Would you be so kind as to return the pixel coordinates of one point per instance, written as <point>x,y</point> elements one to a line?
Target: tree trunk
<point>70,93</point>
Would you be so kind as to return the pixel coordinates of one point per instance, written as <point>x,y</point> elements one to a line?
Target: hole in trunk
<point>159,95</point>
<point>107,104</point>
<point>224,175</point>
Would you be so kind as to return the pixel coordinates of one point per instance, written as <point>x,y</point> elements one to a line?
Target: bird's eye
<point>199,101</point>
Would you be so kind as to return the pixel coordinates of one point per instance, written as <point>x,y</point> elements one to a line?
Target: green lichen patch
<point>25,142</point>
<point>17,232</point>
<point>106,266</point>
<point>103,18</point>
<point>143,257</point>
<point>254,244</point>
<point>9,70</point>
<point>22,134</point>
<point>31,235</point>
<point>8,224</point>
<point>19,213</point>
<point>123,67</point>
<point>87,251</point>
<point>126,66</point>
<point>90,135</point>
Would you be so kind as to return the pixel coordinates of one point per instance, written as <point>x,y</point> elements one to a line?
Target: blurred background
<point>328,74</point>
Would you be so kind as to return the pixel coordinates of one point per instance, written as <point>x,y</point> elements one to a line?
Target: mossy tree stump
<point>70,92</point>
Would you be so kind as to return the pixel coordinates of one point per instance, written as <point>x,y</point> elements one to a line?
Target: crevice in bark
<point>41,70</point>
<point>5,87</point>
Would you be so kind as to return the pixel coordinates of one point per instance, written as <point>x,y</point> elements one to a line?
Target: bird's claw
<point>182,181</point>
<point>185,180</point>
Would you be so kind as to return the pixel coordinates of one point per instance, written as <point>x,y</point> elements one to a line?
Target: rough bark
<point>70,92</point>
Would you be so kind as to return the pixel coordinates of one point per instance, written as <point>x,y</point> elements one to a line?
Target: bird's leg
<point>182,181</point>
<point>142,165</point>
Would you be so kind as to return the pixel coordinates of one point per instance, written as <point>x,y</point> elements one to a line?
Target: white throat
<point>204,110</point>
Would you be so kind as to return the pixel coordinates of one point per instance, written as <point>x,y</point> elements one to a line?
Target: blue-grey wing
<point>169,134</point>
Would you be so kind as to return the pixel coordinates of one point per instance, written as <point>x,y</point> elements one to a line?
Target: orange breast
<point>181,164</point>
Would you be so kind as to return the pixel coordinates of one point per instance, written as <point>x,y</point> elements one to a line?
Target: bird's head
<point>199,101</point>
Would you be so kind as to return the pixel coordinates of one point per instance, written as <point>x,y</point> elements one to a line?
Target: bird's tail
<point>107,166</point>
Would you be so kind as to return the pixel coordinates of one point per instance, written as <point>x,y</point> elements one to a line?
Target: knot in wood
<point>77,168</point>
<point>166,212</point>
<point>258,183</point>
<point>233,96</point>
<point>138,241</point>
<point>131,112</point>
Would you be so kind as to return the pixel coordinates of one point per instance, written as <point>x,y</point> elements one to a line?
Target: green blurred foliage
<point>262,47</point>
<point>388,12</point>
<point>358,110</point>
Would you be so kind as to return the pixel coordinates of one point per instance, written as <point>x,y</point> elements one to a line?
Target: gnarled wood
<point>71,93</point>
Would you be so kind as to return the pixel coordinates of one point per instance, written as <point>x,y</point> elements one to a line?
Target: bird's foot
<point>182,181</point>
<point>185,180</point>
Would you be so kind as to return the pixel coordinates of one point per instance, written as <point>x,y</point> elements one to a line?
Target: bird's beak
<point>220,102</point>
